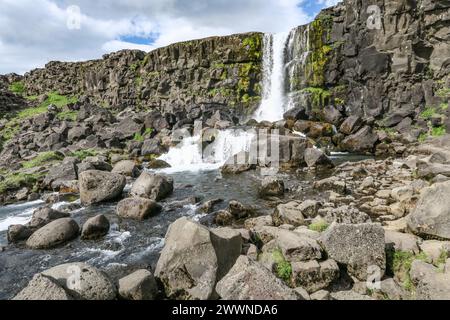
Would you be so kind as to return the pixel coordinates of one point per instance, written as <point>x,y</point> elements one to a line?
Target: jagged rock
<point>359,246</point>
<point>248,280</point>
<point>42,288</point>
<point>18,232</point>
<point>152,186</point>
<point>350,125</point>
<point>126,168</point>
<point>271,187</point>
<point>238,163</point>
<point>45,215</point>
<point>82,281</point>
<point>95,228</point>
<point>362,141</point>
<point>53,234</point>
<point>430,283</point>
<point>152,147</point>
<point>158,164</point>
<point>238,210</point>
<point>402,242</point>
<point>314,275</point>
<point>331,184</point>
<point>137,208</point>
<point>431,217</point>
<point>209,205</point>
<point>140,285</point>
<point>321,295</point>
<point>99,186</point>
<point>191,260</point>
<point>315,157</point>
<point>258,222</point>
<point>59,175</point>
<point>294,213</point>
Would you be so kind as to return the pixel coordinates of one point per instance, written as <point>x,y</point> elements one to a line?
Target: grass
<point>442,258</point>
<point>52,99</point>
<point>18,180</point>
<point>428,113</point>
<point>319,226</point>
<point>141,137</point>
<point>438,131</point>
<point>283,267</point>
<point>43,158</point>
<point>68,115</point>
<point>17,87</point>
<point>83,154</point>
<point>399,263</point>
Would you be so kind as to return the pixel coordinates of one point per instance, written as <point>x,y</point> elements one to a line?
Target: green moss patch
<point>43,158</point>
<point>283,267</point>
<point>17,87</point>
<point>399,263</point>
<point>18,180</point>
<point>83,154</point>
<point>319,226</point>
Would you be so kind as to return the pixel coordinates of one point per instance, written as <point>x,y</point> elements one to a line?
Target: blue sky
<point>34,32</point>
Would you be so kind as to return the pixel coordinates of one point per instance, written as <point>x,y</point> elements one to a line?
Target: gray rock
<point>126,168</point>
<point>18,232</point>
<point>313,275</point>
<point>45,215</point>
<point>140,285</point>
<point>271,187</point>
<point>248,280</point>
<point>59,175</point>
<point>152,186</point>
<point>53,234</point>
<point>42,288</point>
<point>349,295</point>
<point>430,283</point>
<point>258,222</point>
<point>321,295</point>
<point>431,217</point>
<point>99,186</point>
<point>316,158</point>
<point>82,281</point>
<point>435,249</point>
<point>402,241</point>
<point>289,213</point>
<point>191,261</point>
<point>239,163</point>
<point>359,246</point>
<point>137,208</point>
<point>94,228</point>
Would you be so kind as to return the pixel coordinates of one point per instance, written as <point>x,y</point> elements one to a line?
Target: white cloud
<point>33,32</point>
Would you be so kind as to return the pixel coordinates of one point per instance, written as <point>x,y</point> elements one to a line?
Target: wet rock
<point>238,163</point>
<point>209,205</point>
<point>53,234</point>
<point>359,246</point>
<point>152,186</point>
<point>126,168</point>
<point>45,215</point>
<point>158,164</point>
<point>43,288</point>
<point>140,285</point>
<point>248,280</point>
<point>271,187</point>
<point>137,208</point>
<point>191,262</point>
<point>18,232</point>
<point>313,275</point>
<point>94,228</point>
<point>239,211</point>
<point>430,283</point>
<point>431,217</point>
<point>99,186</point>
<point>91,284</point>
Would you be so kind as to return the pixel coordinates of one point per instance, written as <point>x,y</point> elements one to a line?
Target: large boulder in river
<point>239,163</point>
<point>249,280</point>
<point>99,186</point>
<point>43,288</point>
<point>137,208</point>
<point>431,217</point>
<point>18,232</point>
<point>193,260</point>
<point>359,246</point>
<point>53,234</point>
<point>140,285</point>
<point>271,187</point>
<point>317,158</point>
<point>45,215</point>
<point>152,186</point>
<point>82,281</point>
<point>126,168</point>
<point>95,227</point>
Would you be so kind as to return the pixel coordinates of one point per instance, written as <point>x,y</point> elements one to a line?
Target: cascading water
<point>273,104</point>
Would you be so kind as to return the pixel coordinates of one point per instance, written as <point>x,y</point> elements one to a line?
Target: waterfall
<point>189,155</point>
<point>273,105</point>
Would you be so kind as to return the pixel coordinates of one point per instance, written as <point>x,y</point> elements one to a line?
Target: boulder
<point>45,215</point>
<point>140,285</point>
<point>158,164</point>
<point>43,288</point>
<point>193,259</point>
<point>402,242</point>
<point>94,228</point>
<point>313,275</point>
<point>258,222</point>
<point>362,141</point>
<point>82,281</point>
<point>152,186</point>
<point>435,250</point>
<point>248,280</point>
<point>126,168</point>
<point>317,158</point>
<point>59,175</point>
<point>99,186</point>
<point>359,246</point>
<point>239,163</point>
<point>271,187</point>
<point>18,232</point>
<point>289,213</point>
<point>137,208</point>
<point>350,125</point>
<point>53,234</point>
<point>431,216</point>
<point>430,283</point>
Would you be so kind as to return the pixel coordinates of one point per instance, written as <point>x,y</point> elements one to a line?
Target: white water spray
<point>273,104</point>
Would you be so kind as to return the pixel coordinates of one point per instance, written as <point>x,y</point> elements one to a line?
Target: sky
<point>34,32</point>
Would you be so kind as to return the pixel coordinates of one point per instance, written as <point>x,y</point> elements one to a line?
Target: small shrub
<point>428,113</point>
<point>17,87</point>
<point>83,154</point>
<point>283,267</point>
<point>438,131</point>
<point>319,226</point>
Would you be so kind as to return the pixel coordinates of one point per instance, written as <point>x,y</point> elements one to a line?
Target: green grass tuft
<point>83,154</point>
<point>438,131</point>
<point>283,267</point>
<point>42,158</point>
<point>399,263</point>
<point>17,87</point>
<point>428,113</point>
<point>319,226</point>
<point>68,115</point>
<point>19,180</point>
